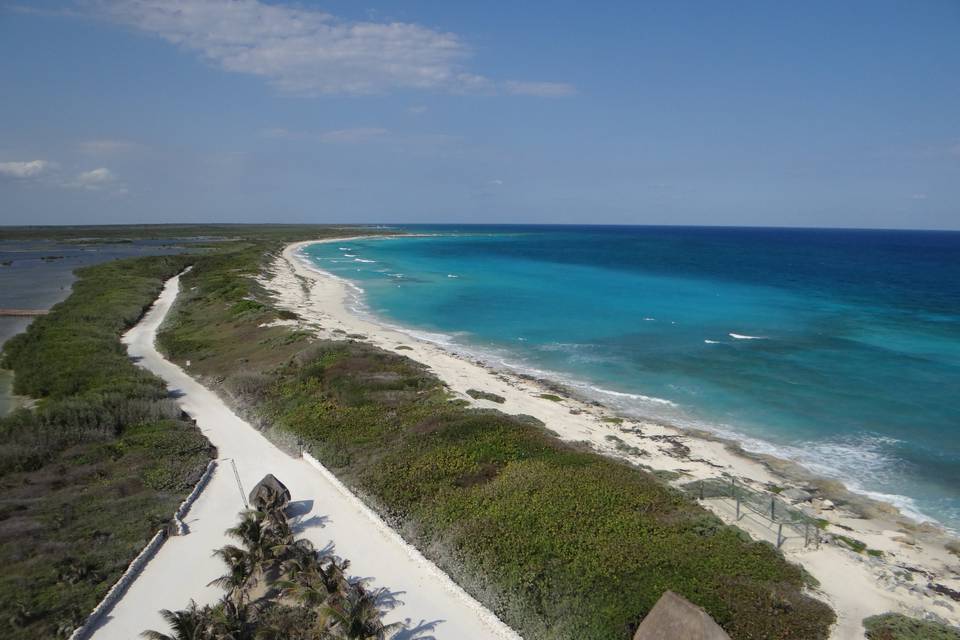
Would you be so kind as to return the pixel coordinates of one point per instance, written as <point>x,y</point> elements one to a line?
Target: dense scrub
<point>893,626</point>
<point>559,541</point>
<point>90,474</point>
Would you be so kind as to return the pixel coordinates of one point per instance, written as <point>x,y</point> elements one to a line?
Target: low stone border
<point>135,567</point>
<point>190,499</point>
<point>120,586</point>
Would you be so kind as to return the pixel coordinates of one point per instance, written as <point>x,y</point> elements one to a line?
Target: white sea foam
<point>712,341</point>
<point>650,319</point>
<point>362,260</point>
<point>633,396</point>
<point>740,336</point>
<point>349,255</point>
<point>450,275</point>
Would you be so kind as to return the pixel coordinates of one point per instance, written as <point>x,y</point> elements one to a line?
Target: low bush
<point>486,395</point>
<point>894,626</point>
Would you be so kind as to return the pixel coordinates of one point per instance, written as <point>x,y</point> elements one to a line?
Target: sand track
<point>426,599</point>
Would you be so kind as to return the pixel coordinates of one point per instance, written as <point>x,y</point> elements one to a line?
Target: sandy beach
<point>423,598</point>
<point>915,574</point>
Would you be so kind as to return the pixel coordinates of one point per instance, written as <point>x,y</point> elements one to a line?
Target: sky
<point>761,113</point>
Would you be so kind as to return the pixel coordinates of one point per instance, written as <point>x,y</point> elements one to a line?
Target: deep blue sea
<point>839,349</point>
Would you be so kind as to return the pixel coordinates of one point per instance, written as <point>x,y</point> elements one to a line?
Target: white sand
<point>431,604</point>
<point>856,585</point>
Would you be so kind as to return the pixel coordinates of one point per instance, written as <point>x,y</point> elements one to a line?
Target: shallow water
<point>839,349</point>
<point>30,281</point>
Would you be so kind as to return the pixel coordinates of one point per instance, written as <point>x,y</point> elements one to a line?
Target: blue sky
<point>742,113</point>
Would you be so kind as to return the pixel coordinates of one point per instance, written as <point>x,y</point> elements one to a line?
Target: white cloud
<point>107,146</point>
<point>307,51</point>
<point>24,170</point>
<point>540,89</point>
<point>48,174</point>
<point>100,179</point>
<point>302,50</point>
<point>417,110</point>
<point>279,133</point>
<point>496,181</point>
<point>353,136</point>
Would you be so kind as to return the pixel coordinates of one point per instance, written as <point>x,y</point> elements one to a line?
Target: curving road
<point>426,599</point>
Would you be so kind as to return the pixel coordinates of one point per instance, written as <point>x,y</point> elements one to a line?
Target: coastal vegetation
<point>559,541</point>
<point>89,475</point>
<point>894,626</point>
<point>486,395</point>
<point>279,587</point>
<point>104,457</point>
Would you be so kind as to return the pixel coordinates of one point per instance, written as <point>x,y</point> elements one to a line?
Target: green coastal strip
<point>561,542</point>
<point>90,474</point>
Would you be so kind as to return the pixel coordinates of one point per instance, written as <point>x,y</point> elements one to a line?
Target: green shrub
<point>894,626</point>
<point>485,395</point>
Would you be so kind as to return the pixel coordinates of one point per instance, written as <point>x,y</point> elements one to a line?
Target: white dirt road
<point>426,599</point>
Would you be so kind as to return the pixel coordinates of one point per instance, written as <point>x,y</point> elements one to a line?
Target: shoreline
<point>863,503</point>
<point>856,584</point>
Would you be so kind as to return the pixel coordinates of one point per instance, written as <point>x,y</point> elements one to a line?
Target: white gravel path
<point>427,600</point>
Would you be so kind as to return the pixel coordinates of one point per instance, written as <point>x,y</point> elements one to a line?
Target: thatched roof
<point>676,618</point>
<point>268,491</point>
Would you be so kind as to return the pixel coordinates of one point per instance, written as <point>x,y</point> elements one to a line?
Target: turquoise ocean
<point>838,349</point>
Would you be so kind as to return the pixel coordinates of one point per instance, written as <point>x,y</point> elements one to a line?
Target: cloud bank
<point>310,52</point>
<point>24,170</point>
<point>44,173</point>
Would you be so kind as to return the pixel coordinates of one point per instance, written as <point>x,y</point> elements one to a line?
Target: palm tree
<point>355,616</point>
<point>232,621</point>
<point>335,577</point>
<point>297,555</point>
<point>241,572</point>
<point>191,623</point>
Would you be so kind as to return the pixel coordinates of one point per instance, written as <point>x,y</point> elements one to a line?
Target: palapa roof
<point>676,618</point>
<point>262,493</point>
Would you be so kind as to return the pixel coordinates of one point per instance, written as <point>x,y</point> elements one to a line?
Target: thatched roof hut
<point>269,492</point>
<point>676,618</point>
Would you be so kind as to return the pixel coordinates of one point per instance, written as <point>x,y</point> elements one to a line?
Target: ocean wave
<point>560,346</point>
<point>740,336</point>
<point>650,319</point>
<point>349,255</point>
<point>712,341</point>
<point>450,275</point>
<point>634,396</point>
<point>858,462</point>
<point>362,260</point>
